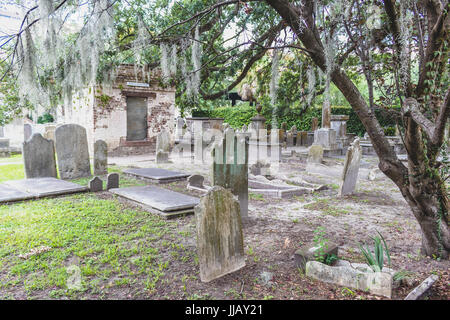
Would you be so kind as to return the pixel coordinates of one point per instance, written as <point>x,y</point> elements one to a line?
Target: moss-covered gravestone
<point>220,242</point>
<point>230,167</point>
<point>315,154</point>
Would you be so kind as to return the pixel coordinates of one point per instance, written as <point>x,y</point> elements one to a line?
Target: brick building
<point>128,115</point>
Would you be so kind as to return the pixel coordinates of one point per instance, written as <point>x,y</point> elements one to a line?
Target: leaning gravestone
<point>72,151</point>
<point>39,157</point>
<point>351,168</point>
<point>230,167</point>
<point>100,157</point>
<point>220,241</point>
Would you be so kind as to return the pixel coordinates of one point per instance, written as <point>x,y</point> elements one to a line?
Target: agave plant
<point>376,260</point>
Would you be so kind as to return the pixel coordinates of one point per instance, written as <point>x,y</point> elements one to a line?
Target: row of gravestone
<point>72,152</point>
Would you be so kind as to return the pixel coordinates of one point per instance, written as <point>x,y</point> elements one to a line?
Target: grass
<point>326,208</point>
<point>11,172</point>
<point>111,245</point>
<point>13,158</point>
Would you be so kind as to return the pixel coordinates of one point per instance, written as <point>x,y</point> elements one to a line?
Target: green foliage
<point>376,260</point>
<point>45,118</point>
<point>241,114</point>
<point>322,243</point>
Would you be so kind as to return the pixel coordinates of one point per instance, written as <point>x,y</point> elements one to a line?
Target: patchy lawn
<point>118,251</point>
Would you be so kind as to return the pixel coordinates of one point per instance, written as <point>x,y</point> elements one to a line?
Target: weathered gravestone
<point>351,168</point>
<point>196,180</point>
<point>96,184</point>
<point>230,167</point>
<point>72,151</point>
<point>100,157</point>
<point>163,141</point>
<point>220,241</point>
<point>39,157</point>
<point>162,157</point>
<point>112,181</point>
<point>315,154</point>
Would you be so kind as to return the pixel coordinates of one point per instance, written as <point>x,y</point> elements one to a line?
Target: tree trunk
<point>425,193</point>
<point>431,213</point>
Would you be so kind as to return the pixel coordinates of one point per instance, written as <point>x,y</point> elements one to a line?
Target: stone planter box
<point>356,276</point>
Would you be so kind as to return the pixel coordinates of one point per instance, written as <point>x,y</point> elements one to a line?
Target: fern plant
<point>376,260</point>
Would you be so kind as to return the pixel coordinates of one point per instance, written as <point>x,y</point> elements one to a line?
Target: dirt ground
<point>276,228</point>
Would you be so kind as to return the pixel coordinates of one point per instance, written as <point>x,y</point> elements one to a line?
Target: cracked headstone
<point>220,241</point>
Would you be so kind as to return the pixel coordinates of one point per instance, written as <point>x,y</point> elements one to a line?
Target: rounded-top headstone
<point>72,151</point>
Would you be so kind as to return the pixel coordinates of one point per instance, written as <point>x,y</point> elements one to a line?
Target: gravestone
<point>196,180</point>
<point>39,157</point>
<point>112,181</point>
<point>96,185</point>
<point>230,167</point>
<point>163,141</point>
<point>27,131</point>
<point>100,157</point>
<point>49,132</point>
<point>72,151</point>
<point>220,241</point>
<point>162,157</point>
<point>351,168</point>
<point>315,154</point>
<point>314,124</point>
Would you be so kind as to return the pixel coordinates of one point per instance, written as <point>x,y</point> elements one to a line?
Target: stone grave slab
<point>10,194</point>
<point>42,187</point>
<point>156,174</point>
<point>158,198</point>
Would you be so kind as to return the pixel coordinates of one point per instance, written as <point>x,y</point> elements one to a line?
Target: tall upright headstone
<point>351,168</point>
<point>39,157</point>
<point>72,151</point>
<point>220,241</point>
<point>230,167</point>
<point>100,158</point>
<point>163,141</point>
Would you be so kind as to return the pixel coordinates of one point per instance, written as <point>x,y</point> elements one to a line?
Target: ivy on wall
<point>241,114</point>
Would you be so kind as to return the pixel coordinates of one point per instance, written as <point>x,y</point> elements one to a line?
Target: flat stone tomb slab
<point>10,194</point>
<point>157,175</point>
<point>158,198</point>
<point>42,187</point>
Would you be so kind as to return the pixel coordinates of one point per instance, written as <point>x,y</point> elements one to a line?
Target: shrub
<point>45,118</point>
<point>241,114</point>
